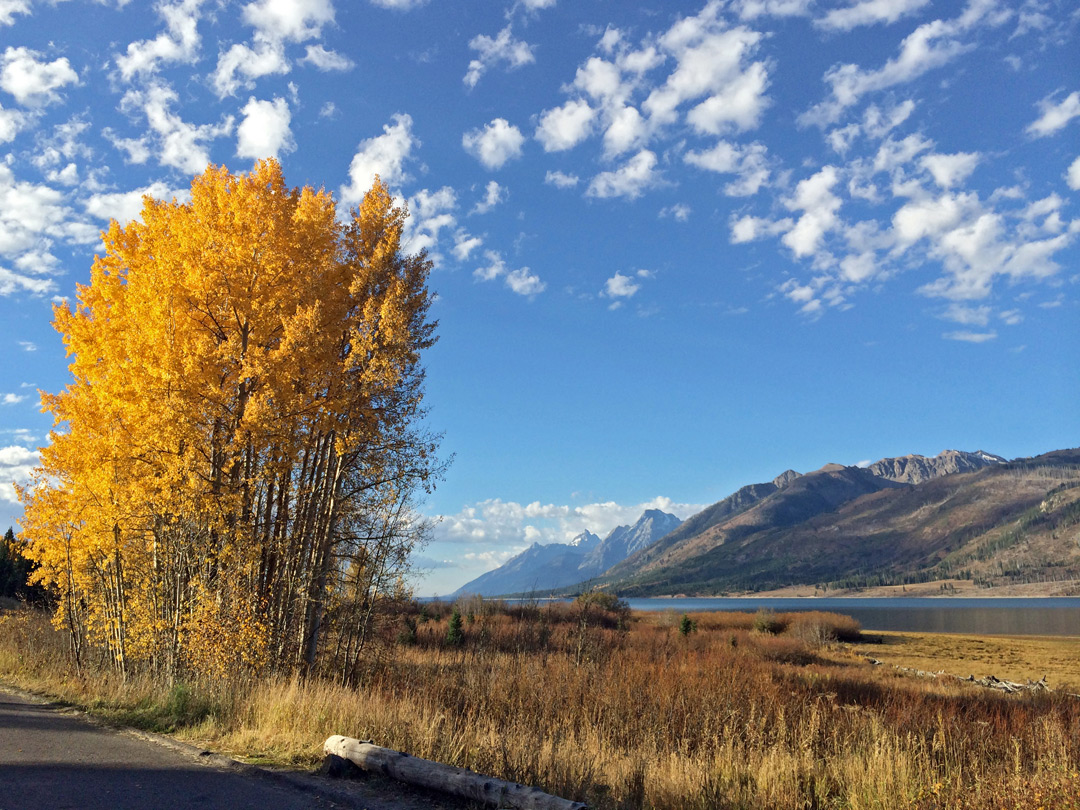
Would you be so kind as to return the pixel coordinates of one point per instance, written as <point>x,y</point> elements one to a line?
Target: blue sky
<point>679,247</point>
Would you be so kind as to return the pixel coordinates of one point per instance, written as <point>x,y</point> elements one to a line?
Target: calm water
<point>1049,616</point>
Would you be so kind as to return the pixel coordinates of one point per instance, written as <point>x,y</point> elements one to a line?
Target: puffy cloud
<point>679,212</point>
<point>521,281</point>
<point>495,144</point>
<point>561,179</point>
<point>430,213</point>
<point>493,195</point>
<point>11,399</point>
<point>489,52</point>
<point>622,287</point>
<point>813,196</point>
<point>294,20</point>
<point>749,163</point>
<point>524,282</point>
<point>178,143</point>
<point>9,8</point>
<point>868,12</point>
<point>712,61</point>
<point>382,155</point>
<point>12,283</point>
<point>464,244</point>
<point>326,61</point>
<point>948,170</point>
<point>1072,175</point>
<point>1055,115</point>
<point>496,522</point>
<point>630,180</point>
<point>240,65</point>
<point>565,127</point>
<point>11,121</point>
<point>179,43</point>
<point>16,464</point>
<point>265,131</point>
<point>34,83</point>
<point>125,206</point>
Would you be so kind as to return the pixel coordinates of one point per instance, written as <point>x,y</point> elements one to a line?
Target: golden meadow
<point>620,710</point>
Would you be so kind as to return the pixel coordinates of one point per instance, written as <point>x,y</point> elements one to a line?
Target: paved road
<point>55,760</point>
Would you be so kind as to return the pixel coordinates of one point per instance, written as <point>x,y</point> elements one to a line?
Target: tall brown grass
<point>626,712</point>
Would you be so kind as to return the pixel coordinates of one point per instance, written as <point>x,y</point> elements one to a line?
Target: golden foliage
<point>245,389</point>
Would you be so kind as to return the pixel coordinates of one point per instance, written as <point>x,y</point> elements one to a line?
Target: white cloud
<point>948,170</point>
<point>464,244</point>
<point>12,282</point>
<point>11,399</point>
<point>382,155</point>
<point>748,162</point>
<point>1055,116</point>
<point>34,83</point>
<point>9,8</point>
<point>868,12</point>
<point>326,61</point>
<point>814,197</point>
<point>561,179</point>
<point>496,267</point>
<point>430,213</point>
<point>630,180</point>
<point>127,205</point>
<point>620,286</point>
<point>966,315</point>
<point>495,144</point>
<point>16,464</point>
<point>493,195</point>
<point>11,121</point>
<point>970,337</point>
<point>178,143</point>
<point>679,212</point>
<point>521,281</point>
<point>712,60</point>
<point>565,127</point>
<point>179,43</point>
<point>750,228</point>
<point>398,5</point>
<point>503,48</point>
<point>524,282</point>
<point>752,9</point>
<point>27,346</point>
<point>265,131</point>
<point>929,46</point>
<point>495,522</point>
<point>294,20</point>
<point>240,65</point>
<point>1072,175</point>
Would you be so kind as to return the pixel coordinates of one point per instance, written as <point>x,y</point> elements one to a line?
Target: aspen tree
<point>245,406</point>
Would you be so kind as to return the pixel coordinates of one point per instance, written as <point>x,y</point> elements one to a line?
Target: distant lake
<point>1049,616</point>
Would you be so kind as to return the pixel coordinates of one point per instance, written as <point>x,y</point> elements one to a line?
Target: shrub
<point>766,621</point>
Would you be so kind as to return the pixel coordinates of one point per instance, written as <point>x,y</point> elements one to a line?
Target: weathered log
<point>437,776</point>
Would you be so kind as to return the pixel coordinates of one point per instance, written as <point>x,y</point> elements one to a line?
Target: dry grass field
<point>625,711</point>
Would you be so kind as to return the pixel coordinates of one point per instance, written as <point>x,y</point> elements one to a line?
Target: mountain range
<point>907,519</point>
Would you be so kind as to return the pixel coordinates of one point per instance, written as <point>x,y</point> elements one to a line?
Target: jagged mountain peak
<point>914,468</point>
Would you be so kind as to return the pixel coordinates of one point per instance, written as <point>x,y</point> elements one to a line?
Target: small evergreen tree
<point>454,634</point>
<point>687,626</point>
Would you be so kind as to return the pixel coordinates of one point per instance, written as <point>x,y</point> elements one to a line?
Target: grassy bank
<point>742,711</point>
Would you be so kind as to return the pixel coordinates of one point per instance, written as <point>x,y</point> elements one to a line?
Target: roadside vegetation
<point>621,710</point>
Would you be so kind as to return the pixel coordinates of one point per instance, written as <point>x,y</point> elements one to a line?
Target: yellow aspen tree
<point>246,391</point>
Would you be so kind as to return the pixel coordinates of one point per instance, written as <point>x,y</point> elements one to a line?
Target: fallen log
<point>447,778</point>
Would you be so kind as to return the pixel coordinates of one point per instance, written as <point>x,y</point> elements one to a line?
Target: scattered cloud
<point>124,206</point>
<point>34,83</point>
<point>495,522</point>
<point>265,131</point>
<point>11,399</point>
<point>177,44</point>
<point>383,155</point>
<point>1072,175</point>
<point>680,212</point>
<point>1055,115</point>
<point>16,464</point>
<point>563,180</point>
<point>748,163</point>
<point>521,281</point>
<point>319,57</point>
<point>565,127</point>
<point>27,346</point>
<point>503,48</point>
<point>9,8</point>
<point>868,12</point>
<point>495,144</point>
<point>493,195</point>
<point>970,337</point>
<point>175,142</point>
<point>630,180</point>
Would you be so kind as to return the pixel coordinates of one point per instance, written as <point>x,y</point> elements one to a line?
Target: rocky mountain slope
<point>907,519</point>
